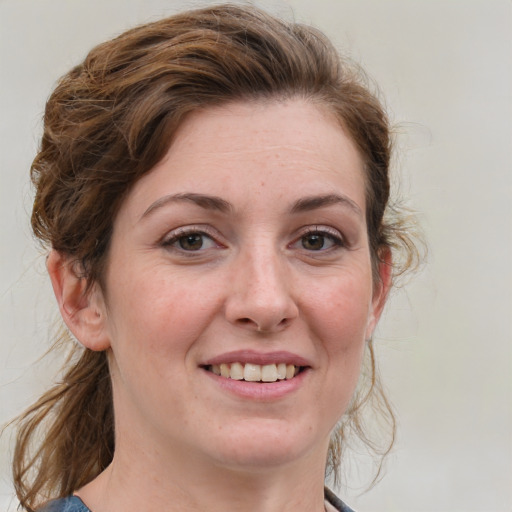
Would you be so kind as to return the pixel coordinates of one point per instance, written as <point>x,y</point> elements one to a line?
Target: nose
<point>261,297</point>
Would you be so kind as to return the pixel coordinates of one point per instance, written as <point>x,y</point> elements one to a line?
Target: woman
<point>212,187</point>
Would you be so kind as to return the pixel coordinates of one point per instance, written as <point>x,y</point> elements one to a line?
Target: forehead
<point>280,148</point>
<point>293,126</point>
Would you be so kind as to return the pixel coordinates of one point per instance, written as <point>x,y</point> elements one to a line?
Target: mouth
<point>250,372</point>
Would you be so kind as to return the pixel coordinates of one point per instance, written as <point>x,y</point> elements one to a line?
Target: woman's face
<point>244,252</point>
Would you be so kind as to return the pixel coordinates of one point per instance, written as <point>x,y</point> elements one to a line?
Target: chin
<point>269,444</point>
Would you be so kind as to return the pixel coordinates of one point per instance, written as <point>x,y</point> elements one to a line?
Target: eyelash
<point>324,233</point>
<point>181,234</point>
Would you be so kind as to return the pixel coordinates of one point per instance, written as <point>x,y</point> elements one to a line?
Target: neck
<point>140,480</point>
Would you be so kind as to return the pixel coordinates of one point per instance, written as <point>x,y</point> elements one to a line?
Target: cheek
<point>160,312</point>
<point>342,312</point>
<point>152,327</point>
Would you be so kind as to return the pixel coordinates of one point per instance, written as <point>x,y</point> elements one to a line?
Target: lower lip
<point>260,391</point>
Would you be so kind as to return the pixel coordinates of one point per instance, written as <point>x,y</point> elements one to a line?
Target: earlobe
<point>83,310</point>
<point>380,290</point>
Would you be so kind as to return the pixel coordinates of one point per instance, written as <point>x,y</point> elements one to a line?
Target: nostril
<point>262,327</point>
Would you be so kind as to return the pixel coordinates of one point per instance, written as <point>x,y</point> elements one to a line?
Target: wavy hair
<point>109,121</point>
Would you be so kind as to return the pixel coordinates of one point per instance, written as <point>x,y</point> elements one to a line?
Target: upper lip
<point>261,358</point>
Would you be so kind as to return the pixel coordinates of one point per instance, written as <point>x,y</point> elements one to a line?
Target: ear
<point>381,289</point>
<point>83,311</point>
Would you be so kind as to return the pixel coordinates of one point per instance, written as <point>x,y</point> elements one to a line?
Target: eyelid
<point>323,230</point>
<point>334,234</point>
<point>201,229</point>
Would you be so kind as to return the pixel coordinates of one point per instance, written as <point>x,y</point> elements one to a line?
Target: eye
<point>190,241</point>
<point>319,240</point>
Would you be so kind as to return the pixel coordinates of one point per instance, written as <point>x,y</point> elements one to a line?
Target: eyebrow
<point>204,201</point>
<point>208,202</point>
<point>314,202</point>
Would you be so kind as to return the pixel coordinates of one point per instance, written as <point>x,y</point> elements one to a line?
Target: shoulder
<point>69,504</point>
<point>336,503</point>
<point>75,504</point>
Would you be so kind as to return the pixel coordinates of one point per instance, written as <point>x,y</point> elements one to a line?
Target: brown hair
<point>109,121</point>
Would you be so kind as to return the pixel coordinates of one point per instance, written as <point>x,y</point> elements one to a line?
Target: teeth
<point>255,372</point>
<point>252,372</point>
<point>237,371</point>
<point>224,370</point>
<point>269,373</point>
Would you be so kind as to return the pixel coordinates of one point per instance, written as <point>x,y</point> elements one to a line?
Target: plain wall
<point>445,68</point>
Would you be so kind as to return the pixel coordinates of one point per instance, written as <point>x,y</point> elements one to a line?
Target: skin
<point>264,271</point>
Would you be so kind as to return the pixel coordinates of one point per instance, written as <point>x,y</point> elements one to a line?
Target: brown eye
<point>313,242</point>
<point>319,241</point>
<point>191,242</point>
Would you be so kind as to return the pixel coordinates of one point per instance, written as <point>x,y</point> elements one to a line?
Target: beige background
<point>445,68</point>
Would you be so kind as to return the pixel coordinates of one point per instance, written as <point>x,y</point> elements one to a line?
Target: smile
<point>255,372</point>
